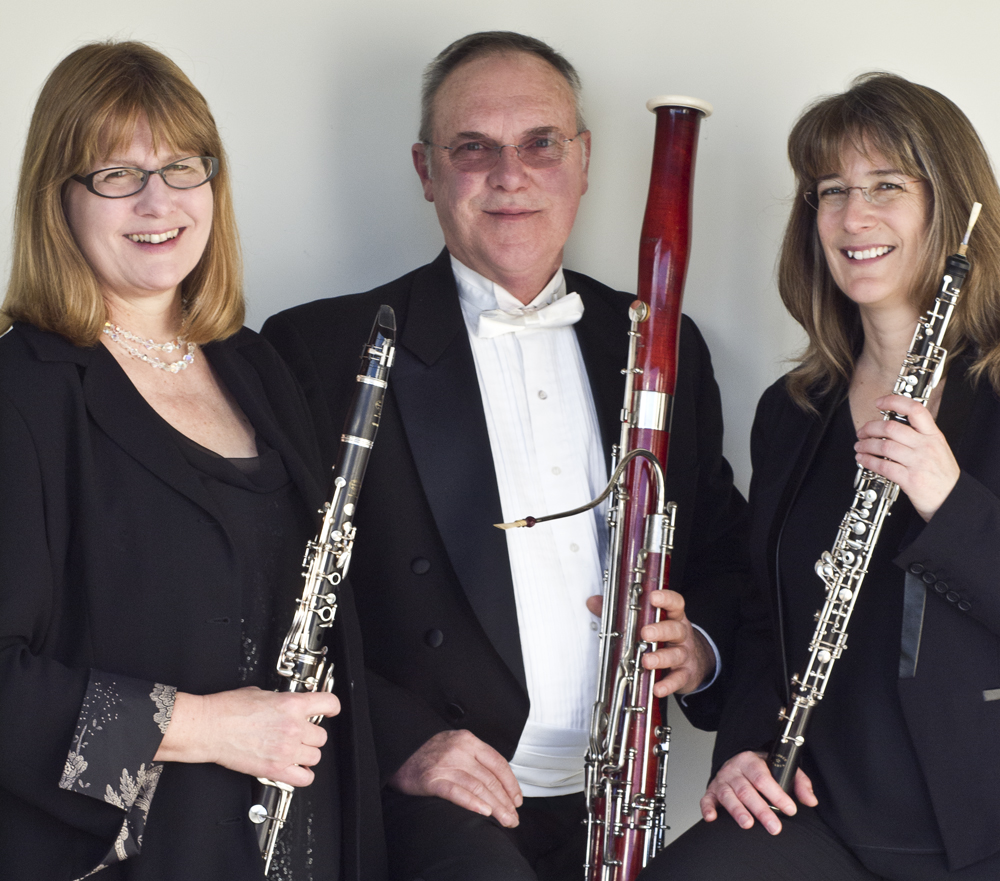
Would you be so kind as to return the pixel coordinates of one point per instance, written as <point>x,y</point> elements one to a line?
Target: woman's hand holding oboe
<point>915,456</point>
<point>745,787</point>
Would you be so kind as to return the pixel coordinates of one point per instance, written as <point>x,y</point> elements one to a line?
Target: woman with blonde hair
<point>159,476</point>
<point>899,776</point>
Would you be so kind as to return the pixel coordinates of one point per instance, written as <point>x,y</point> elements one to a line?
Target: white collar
<point>484,294</point>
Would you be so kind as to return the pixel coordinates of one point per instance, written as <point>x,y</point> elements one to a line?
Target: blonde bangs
<point>88,112</point>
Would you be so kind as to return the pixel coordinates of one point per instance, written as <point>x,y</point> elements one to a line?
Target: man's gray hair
<point>483,44</point>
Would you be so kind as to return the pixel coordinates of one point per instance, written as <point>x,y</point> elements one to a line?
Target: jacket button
<point>929,578</point>
<point>952,597</point>
<point>455,711</point>
<point>916,568</point>
<point>434,638</point>
<point>965,605</point>
<point>420,566</point>
<point>941,587</point>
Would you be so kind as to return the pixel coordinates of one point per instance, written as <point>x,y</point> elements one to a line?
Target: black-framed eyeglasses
<point>482,154</point>
<point>122,181</point>
<point>833,196</point>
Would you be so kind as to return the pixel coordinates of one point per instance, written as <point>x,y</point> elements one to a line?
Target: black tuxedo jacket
<point>113,560</point>
<point>949,685</point>
<point>431,572</point>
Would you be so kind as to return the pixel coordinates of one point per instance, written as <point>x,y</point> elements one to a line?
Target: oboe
<point>843,568</point>
<point>625,769</point>
<point>327,557</point>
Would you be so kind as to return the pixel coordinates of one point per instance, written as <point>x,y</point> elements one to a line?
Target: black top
<point>858,750</point>
<point>263,514</point>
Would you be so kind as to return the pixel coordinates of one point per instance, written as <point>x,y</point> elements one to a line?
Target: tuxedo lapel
<point>435,386</point>
<point>602,333</point>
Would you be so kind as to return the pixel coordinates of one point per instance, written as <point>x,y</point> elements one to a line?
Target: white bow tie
<point>559,313</point>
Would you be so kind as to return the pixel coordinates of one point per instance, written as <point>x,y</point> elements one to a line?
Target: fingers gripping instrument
<point>327,558</point>
<point>843,568</point>
<point>625,769</point>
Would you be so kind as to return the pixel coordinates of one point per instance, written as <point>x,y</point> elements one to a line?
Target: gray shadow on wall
<point>385,226</point>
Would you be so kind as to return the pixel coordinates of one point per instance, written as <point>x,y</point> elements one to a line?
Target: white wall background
<point>332,86</point>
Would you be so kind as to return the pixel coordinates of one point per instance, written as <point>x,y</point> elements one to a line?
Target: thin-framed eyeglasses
<point>122,181</point>
<point>482,154</point>
<point>832,195</point>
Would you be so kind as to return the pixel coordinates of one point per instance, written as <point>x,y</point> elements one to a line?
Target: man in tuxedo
<point>504,401</point>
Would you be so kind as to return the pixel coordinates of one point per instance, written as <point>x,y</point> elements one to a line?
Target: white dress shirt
<point>548,456</point>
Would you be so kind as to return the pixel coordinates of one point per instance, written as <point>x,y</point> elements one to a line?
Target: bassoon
<point>625,768</point>
<point>327,558</point>
<point>843,568</point>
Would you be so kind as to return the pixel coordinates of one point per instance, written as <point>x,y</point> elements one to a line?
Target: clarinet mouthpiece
<point>386,321</point>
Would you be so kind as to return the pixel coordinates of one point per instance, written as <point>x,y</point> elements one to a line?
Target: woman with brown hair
<point>159,476</point>
<point>899,776</point>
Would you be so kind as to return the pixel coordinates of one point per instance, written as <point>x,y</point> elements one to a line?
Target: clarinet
<point>843,568</point>
<point>327,558</point>
<point>625,768</point>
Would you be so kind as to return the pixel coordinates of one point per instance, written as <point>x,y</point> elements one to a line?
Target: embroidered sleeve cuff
<point>118,731</point>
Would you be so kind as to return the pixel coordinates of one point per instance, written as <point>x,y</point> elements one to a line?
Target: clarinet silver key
<point>302,661</point>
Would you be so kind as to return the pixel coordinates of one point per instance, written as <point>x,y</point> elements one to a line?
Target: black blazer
<point>113,560</point>
<point>951,702</point>
<point>432,576</point>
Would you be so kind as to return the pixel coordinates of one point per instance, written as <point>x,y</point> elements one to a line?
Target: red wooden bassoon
<point>626,764</point>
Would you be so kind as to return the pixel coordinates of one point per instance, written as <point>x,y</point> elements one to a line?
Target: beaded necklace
<point>124,337</point>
